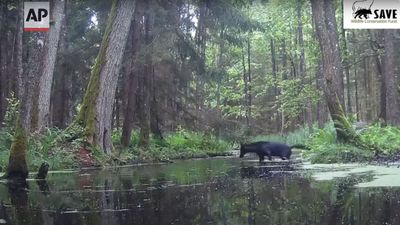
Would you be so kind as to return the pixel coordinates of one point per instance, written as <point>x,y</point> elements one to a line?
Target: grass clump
<point>182,144</point>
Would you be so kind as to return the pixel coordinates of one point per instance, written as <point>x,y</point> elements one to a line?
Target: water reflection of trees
<point>258,194</point>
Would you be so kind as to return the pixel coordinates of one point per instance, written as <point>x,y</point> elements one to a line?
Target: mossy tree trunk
<point>326,31</point>
<point>97,106</point>
<point>17,167</point>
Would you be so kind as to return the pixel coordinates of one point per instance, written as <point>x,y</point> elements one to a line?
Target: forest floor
<point>185,144</point>
<point>177,145</point>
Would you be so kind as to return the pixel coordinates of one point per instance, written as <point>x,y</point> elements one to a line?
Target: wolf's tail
<point>300,146</point>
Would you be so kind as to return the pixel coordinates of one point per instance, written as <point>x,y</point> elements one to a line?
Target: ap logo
<point>36,16</point>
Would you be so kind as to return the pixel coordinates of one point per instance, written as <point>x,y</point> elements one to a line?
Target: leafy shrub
<point>11,114</point>
<point>326,149</point>
<point>41,148</point>
<point>9,123</point>
<point>387,138</point>
<point>321,138</point>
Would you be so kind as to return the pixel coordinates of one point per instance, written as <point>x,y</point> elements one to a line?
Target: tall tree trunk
<point>302,66</point>
<point>347,70</point>
<point>154,104</point>
<point>146,79</point>
<point>3,47</point>
<point>391,81</point>
<point>322,113</point>
<point>284,77</point>
<point>201,37</point>
<point>67,76</point>
<point>220,65</point>
<point>326,30</point>
<point>367,101</point>
<point>249,96</point>
<point>96,111</point>
<point>8,35</point>
<point>375,44</point>
<point>61,100</point>
<point>46,79</point>
<point>275,89</point>
<point>17,167</point>
<point>36,50</point>
<point>245,91</point>
<point>132,79</point>
<point>356,97</point>
<point>117,109</point>
<point>356,93</point>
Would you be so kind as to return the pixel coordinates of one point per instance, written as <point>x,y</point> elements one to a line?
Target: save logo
<point>36,16</point>
<point>371,14</point>
<point>359,10</point>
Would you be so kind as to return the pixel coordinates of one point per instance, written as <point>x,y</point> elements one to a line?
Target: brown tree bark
<point>17,166</point>
<point>145,86</point>
<point>249,95</point>
<point>302,66</point>
<point>274,74</point>
<point>391,81</point>
<point>154,105</point>
<point>245,90</point>
<point>96,111</point>
<point>322,112</point>
<point>347,71</point>
<point>65,108</point>
<point>326,31</point>
<point>375,44</point>
<point>330,22</point>
<point>46,78</point>
<point>132,78</point>
<point>201,38</point>
<point>356,95</point>
<point>3,45</point>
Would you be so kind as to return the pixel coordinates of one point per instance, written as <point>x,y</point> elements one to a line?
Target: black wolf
<point>362,12</point>
<point>269,149</point>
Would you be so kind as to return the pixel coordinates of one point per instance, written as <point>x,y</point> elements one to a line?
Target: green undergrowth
<point>326,148</point>
<point>182,144</point>
<point>41,149</point>
<point>63,155</point>
<point>299,136</point>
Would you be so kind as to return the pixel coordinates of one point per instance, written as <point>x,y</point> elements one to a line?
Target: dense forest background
<point>230,68</point>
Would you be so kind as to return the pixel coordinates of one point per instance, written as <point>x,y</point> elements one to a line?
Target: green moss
<point>17,166</point>
<point>87,113</point>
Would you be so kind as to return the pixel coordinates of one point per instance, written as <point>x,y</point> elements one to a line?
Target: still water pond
<point>209,191</point>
